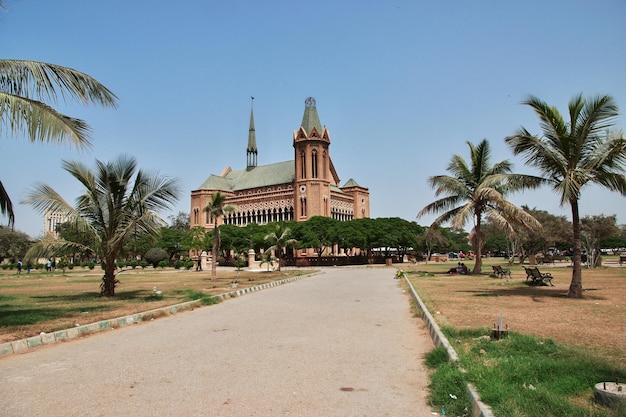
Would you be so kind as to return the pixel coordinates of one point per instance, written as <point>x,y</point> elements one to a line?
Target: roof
<point>311,119</point>
<point>259,176</point>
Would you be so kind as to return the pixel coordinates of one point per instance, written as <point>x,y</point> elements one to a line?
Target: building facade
<point>296,190</point>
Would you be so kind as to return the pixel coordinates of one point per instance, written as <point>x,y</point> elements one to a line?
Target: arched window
<point>314,164</point>
<point>302,165</point>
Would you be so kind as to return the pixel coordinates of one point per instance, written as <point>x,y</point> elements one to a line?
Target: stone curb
<point>22,345</point>
<point>479,409</point>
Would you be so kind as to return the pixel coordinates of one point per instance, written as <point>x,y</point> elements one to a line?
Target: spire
<point>252,150</point>
<point>310,118</point>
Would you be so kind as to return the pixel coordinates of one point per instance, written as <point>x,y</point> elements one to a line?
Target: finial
<point>309,102</point>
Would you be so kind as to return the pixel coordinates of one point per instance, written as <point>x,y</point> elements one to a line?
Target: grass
<point>48,301</point>
<point>548,366</point>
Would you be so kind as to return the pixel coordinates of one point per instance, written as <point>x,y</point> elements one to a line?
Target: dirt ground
<point>596,322</point>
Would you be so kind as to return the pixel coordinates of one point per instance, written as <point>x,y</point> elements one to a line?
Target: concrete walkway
<point>342,343</point>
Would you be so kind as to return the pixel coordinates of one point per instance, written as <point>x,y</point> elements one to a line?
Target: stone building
<point>298,189</point>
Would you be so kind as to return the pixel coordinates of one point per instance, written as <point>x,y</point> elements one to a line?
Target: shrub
<point>189,264</point>
<point>134,263</point>
<point>143,264</point>
<point>178,264</point>
<point>164,263</point>
<point>156,255</point>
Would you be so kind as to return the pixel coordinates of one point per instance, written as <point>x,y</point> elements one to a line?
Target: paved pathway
<point>342,343</point>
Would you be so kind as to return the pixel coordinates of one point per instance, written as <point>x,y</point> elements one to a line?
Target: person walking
<point>19,267</point>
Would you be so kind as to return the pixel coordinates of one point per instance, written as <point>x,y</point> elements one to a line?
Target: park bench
<point>501,272</point>
<point>622,258</point>
<point>537,277</point>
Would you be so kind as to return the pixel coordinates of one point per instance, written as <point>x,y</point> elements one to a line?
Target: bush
<point>178,264</point>
<point>164,263</point>
<point>134,263</point>
<point>189,264</point>
<point>156,255</point>
<point>143,264</point>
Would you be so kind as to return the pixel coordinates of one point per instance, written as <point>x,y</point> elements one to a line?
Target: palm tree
<point>280,239</point>
<point>119,203</point>
<point>25,87</point>
<point>478,191</point>
<point>572,154</point>
<point>216,208</point>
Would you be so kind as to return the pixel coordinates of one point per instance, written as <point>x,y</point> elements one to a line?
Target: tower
<point>251,151</point>
<point>314,173</point>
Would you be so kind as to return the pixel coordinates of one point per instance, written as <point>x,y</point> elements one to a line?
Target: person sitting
<point>462,269</point>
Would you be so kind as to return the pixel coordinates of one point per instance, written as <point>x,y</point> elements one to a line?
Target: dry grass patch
<point>45,302</point>
<point>596,322</point>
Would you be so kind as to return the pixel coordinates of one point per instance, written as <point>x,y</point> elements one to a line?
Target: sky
<point>401,85</point>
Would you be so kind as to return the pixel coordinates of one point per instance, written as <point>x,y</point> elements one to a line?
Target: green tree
<point>13,244</point>
<point>477,191</point>
<point>571,154</point>
<point>119,200</point>
<point>594,229</point>
<point>279,238</point>
<point>25,89</point>
<point>216,207</point>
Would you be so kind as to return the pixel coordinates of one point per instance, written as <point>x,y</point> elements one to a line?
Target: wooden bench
<point>622,258</point>
<point>501,272</point>
<point>537,277</point>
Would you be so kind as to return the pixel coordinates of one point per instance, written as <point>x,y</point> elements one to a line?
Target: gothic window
<point>303,206</point>
<point>314,164</point>
<point>324,164</point>
<point>302,165</point>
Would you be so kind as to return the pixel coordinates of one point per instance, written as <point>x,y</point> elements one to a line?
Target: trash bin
<point>389,261</point>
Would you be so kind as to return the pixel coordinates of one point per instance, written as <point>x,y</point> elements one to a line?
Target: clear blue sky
<point>401,85</point>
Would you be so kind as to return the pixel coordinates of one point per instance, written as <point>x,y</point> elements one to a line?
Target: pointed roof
<point>251,134</point>
<point>351,183</point>
<point>310,119</point>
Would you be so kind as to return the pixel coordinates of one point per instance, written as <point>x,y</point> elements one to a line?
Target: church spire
<point>252,150</point>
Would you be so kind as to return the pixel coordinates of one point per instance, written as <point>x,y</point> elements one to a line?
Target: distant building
<point>51,220</point>
<point>297,189</point>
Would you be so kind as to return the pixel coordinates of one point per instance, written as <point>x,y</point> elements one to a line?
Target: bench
<point>537,277</point>
<point>622,258</point>
<point>501,272</point>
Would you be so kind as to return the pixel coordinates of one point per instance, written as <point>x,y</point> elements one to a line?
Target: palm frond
<point>40,122</point>
<point>6,206</point>
<point>40,80</point>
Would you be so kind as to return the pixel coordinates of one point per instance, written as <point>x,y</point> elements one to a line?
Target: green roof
<point>259,176</point>
<point>310,118</point>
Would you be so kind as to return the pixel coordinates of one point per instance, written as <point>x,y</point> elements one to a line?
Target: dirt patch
<point>596,322</point>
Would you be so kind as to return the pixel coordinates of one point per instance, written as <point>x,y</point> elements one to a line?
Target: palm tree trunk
<point>107,288</point>
<point>477,243</point>
<point>576,286</point>
<point>216,243</point>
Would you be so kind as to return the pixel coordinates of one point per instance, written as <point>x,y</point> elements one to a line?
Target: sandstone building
<point>298,189</point>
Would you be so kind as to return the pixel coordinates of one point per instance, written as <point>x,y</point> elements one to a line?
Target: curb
<point>479,409</point>
<point>23,345</point>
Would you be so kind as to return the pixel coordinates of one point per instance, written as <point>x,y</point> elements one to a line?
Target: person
<point>19,267</point>
<point>462,269</point>
<point>49,265</point>
<point>199,264</point>
<point>28,267</point>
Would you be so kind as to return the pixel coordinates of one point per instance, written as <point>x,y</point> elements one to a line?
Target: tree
<point>478,191</point>
<point>571,154</point>
<point>119,202</point>
<point>13,244</point>
<point>279,238</point>
<point>25,87</point>
<point>216,208</point>
<point>180,222</point>
<point>431,238</point>
<point>594,229</point>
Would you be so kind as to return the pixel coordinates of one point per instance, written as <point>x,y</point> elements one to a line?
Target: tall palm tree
<point>279,238</point>
<point>25,87</point>
<point>217,207</point>
<point>119,203</point>
<point>571,154</point>
<point>476,191</point>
